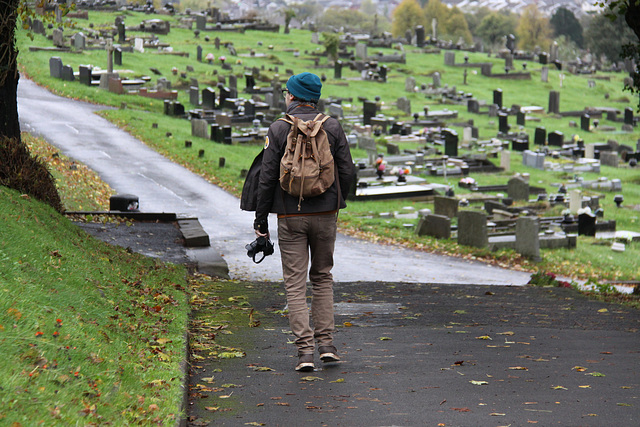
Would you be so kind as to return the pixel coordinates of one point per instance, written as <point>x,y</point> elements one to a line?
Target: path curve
<point>129,166</point>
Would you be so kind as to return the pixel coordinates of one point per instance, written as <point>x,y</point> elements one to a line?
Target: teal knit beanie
<point>305,86</point>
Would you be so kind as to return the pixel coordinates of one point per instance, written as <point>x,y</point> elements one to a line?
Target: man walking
<point>306,232</point>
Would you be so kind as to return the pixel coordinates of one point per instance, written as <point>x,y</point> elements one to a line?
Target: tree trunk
<point>9,124</point>
<point>632,16</point>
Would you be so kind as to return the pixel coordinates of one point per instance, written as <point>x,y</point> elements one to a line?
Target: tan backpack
<point>306,168</point>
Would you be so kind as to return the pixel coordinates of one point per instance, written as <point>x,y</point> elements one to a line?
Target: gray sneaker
<point>328,353</point>
<point>305,363</point>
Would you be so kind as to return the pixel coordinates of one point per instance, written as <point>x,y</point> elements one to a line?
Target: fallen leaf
<point>509,333</point>
<point>558,387</point>
<point>497,414</point>
<point>595,374</point>
<point>483,337</point>
<point>579,368</point>
<point>212,408</point>
<point>603,310</point>
<point>348,324</point>
<point>339,380</point>
<point>459,312</point>
<point>253,423</point>
<point>231,354</point>
<point>311,378</point>
<point>623,404</point>
<point>461,409</point>
<point>282,404</point>
<point>208,380</point>
<point>584,386</point>
<point>518,368</point>
<point>385,339</point>
<point>479,382</point>
<point>262,369</point>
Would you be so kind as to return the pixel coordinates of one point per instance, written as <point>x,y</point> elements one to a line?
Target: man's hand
<point>261,228</point>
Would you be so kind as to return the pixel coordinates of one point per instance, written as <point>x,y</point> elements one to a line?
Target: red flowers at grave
<point>39,334</point>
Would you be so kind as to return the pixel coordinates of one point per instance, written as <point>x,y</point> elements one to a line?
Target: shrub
<point>27,174</point>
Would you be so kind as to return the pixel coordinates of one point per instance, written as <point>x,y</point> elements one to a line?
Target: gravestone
<point>450,142</point>
<point>79,41</point>
<point>361,51</point>
<point>438,226</point>
<point>200,128</point>
<point>575,201</point>
<point>527,237</point>
<point>540,136</point>
<point>209,98</point>
<point>194,95</point>
<point>37,26</point>
<point>449,58</point>
<point>505,160</point>
<point>410,84</point>
<point>473,106</point>
<point>226,135</point>
<point>609,158</point>
<point>67,73</point>
<point>201,22</point>
<point>58,37</point>
<point>434,29</point>
<point>404,105</point>
<point>233,82</point>
<point>543,58</point>
<point>586,224</point>
<point>138,45</point>
<point>472,229</point>
<point>216,41</point>
<point>225,93</point>
<point>249,108</point>
<point>585,122</point>
<point>521,118</point>
<point>493,110</point>
<point>533,160</point>
<point>556,138</point>
<point>628,116</point>
<point>117,56</point>
<point>445,206</point>
<point>518,188</point>
<point>335,110</point>
<point>84,74</point>
<point>497,97</point>
<point>199,53</point>
<point>55,67</point>
<point>337,70</point>
<point>503,123</point>
<point>437,80</point>
<point>544,75</point>
<point>121,32</point>
<point>393,149</point>
<point>554,102</point>
<point>519,144</point>
<point>420,35</point>
<point>369,109</point>
<point>508,62</point>
<point>590,151</point>
<point>467,134</point>
<point>215,132</point>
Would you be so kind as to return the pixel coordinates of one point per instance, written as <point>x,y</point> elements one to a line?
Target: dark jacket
<point>271,198</point>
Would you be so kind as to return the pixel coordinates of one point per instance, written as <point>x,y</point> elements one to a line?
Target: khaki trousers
<point>304,238</point>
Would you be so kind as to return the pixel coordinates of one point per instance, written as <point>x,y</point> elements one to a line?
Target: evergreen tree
<point>564,22</point>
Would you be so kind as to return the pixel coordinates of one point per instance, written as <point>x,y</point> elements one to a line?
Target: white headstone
<point>575,201</point>
<point>505,160</point>
<point>467,134</point>
<point>589,151</point>
<point>139,45</point>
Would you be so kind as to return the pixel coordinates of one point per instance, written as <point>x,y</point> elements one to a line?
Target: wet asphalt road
<point>431,355</point>
<point>129,166</point>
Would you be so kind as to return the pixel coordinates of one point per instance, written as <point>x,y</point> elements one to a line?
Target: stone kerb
<point>472,229</point>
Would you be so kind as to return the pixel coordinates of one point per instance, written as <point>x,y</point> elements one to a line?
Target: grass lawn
<point>274,53</point>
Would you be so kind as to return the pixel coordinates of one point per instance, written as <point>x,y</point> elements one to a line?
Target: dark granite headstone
<point>369,109</point>
<point>209,98</point>
<point>67,73</point>
<point>55,67</point>
<point>586,224</point>
<point>497,97</point>
<point>540,136</point>
<point>521,118</point>
<point>438,226</point>
<point>84,74</point>
<point>117,56</point>
<point>194,96</point>
<point>450,142</point>
<point>628,116</point>
<point>226,135</point>
<point>199,53</point>
<point>420,36</point>
<point>503,122</point>
<point>556,138</point>
<point>215,132</point>
<point>554,102</point>
<point>585,122</point>
<point>337,70</point>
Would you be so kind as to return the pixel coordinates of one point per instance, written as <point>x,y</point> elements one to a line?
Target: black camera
<point>261,244</point>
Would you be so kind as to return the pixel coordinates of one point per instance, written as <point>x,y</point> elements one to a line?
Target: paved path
<point>129,166</point>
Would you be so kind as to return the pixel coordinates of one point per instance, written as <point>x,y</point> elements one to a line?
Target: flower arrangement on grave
<point>467,182</point>
<point>380,165</point>
<point>402,172</point>
<point>222,58</point>
<point>547,279</point>
<point>210,58</point>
